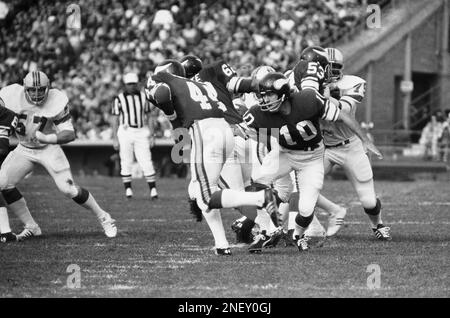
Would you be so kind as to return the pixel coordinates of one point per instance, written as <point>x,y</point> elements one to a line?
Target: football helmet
<point>315,54</point>
<point>36,86</point>
<point>336,60</point>
<point>171,66</point>
<point>261,71</point>
<point>273,90</point>
<point>192,65</point>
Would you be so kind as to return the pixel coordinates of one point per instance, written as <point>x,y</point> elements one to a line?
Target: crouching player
<point>44,123</point>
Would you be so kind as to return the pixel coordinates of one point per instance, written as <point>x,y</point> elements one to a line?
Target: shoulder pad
<point>56,100</point>
<point>349,81</point>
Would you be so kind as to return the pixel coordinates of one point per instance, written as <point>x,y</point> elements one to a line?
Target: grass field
<point>161,252</point>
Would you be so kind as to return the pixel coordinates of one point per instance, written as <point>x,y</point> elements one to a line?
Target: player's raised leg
<point>57,165</point>
<point>336,212</point>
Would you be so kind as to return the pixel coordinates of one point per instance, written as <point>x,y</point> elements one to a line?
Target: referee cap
<point>130,78</point>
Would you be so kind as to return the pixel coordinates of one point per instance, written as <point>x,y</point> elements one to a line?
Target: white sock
<point>233,198</point>
<point>20,209</point>
<point>4,221</point>
<point>214,220</point>
<point>263,220</point>
<point>375,220</point>
<point>327,205</point>
<point>92,205</point>
<point>298,230</point>
<point>292,216</point>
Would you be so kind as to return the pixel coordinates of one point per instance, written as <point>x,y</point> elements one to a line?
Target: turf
<point>162,252</point>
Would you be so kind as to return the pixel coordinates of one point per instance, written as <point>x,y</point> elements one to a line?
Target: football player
<point>344,149</point>
<point>296,118</point>
<point>44,124</point>
<point>237,169</point>
<point>194,106</point>
<point>8,122</point>
<point>310,73</point>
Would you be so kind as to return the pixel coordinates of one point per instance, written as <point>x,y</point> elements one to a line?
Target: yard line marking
<point>402,223</point>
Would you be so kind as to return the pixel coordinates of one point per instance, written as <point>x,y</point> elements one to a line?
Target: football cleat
<point>243,230</point>
<point>129,193</point>
<point>153,194</point>
<point>29,232</point>
<point>223,251</point>
<point>335,222</point>
<point>258,243</point>
<point>270,203</point>
<point>274,238</point>
<point>302,243</point>
<point>109,226</point>
<point>288,238</point>
<point>382,232</point>
<point>8,237</point>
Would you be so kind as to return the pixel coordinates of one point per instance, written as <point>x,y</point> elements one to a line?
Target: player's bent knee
<point>216,200</point>
<point>11,195</point>
<point>304,221</point>
<point>368,201</point>
<point>68,188</point>
<point>82,196</point>
<point>375,210</point>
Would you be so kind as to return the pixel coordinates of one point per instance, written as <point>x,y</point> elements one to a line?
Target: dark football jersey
<point>219,74</point>
<point>309,75</point>
<point>300,128</point>
<point>8,121</point>
<point>191,100</point>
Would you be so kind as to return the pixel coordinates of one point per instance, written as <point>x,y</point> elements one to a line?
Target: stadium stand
<point>120,36</point>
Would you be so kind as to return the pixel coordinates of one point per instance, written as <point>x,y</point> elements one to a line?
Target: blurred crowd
<point>435,137</point>
<point>87,58</point>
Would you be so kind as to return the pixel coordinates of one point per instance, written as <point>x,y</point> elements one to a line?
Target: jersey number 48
<point>204,100</point>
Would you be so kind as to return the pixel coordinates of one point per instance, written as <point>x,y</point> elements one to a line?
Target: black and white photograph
<point>224,154</point>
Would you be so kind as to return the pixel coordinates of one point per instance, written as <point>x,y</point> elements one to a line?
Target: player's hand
<point>46,139</point>
<point>369,146</point>
<point>151,141</point>
<point>116,145</point>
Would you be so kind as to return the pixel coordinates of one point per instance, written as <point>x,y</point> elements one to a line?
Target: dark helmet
<point>192,65</point>
<point>170,66</point>
<point>315,54</point>
<point>273,84</point>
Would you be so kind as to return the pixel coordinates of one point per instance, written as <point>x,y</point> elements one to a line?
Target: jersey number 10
<point>305,128</point>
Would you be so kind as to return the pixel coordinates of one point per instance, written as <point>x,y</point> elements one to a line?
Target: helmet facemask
<point>335,71</point>
<point>270,101</point>
<point>36,95</point>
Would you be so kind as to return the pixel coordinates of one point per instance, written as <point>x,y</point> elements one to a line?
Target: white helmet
<point>261,71</point>
<point>336,63</point>
<point>36,85</point>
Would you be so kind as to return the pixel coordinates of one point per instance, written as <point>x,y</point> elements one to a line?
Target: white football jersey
<point>352,90</point>
<point>50,117</point>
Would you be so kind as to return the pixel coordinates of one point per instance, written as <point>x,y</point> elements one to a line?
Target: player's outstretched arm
<point>356,128</point>
<point>62,137</point>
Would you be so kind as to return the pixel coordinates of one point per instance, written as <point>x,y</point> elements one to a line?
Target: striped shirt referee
<point>132,133</point>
